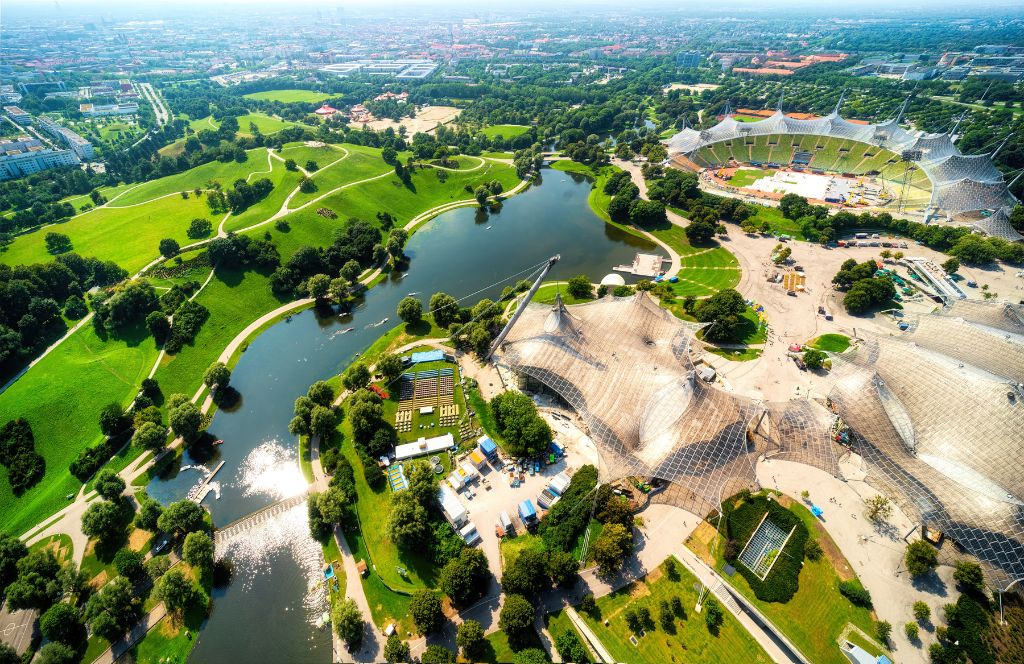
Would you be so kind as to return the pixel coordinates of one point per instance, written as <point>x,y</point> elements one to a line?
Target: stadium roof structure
<point>936,413</point>
<point>960,183</point>
<point>930,412</point>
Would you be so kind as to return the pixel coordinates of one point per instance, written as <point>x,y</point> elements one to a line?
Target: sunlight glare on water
<point>271,470</point>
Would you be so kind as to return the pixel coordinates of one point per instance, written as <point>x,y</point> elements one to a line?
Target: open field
<point>506,131</point>
<point>691,642</point>
<point>361,162</point>
<point>289,96</point>
<point>127,236</point>
<point>61,398</point>
<point>264,123</point>
<point>747,176</point>
<point>833,343</point>
<point>215,171</point>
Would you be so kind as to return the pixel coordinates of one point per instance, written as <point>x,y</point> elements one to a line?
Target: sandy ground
<point>426,120</point>
<point>697,88</point>
<point>796,320</point>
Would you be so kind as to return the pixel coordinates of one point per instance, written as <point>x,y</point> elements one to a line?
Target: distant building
<point>688,59</point>
<point>97,110</point>
<point>401,69</point>
<point>25,156</point>
<point>18,115</point>
<point>326,111</point>
<point>8,95</point>
<point>80,146</point>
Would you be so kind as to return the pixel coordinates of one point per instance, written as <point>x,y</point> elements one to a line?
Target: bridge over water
<point>257,518</point>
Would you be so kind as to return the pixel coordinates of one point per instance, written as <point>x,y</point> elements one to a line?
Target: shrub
<point>921,611</point>
<point>713,615</point>
<point>912,630</point>
<point>812,550</point>
<point>883,628</point>
<point>921,558</point>
<point>854,591</point>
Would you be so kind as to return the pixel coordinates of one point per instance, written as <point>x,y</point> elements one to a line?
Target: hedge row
<point>783,580</point>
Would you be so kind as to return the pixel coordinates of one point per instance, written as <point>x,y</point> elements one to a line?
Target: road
<point>163,116</point>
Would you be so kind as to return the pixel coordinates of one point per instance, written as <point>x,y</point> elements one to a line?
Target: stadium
<point>845,162</point>
<point>931,415</point>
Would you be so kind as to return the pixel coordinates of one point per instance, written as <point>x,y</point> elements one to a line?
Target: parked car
<point>791,293</point>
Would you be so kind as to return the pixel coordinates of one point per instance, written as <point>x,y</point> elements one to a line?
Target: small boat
<point>348,329</point>
<point>218,442</point>
<point>487,228</point>
<point>413,294</point>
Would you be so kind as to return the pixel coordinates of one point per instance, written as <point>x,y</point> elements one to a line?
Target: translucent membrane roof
<point>960,183</point>
<point>936,413</point>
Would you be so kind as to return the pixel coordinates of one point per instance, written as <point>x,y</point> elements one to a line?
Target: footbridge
<point>250,521</point>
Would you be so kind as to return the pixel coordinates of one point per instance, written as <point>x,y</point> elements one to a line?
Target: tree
<point>530,656</point>
<point>307,186</point>
<point>877,508</point>
<point>713,615</point>
<point>700,232</point>
<point>920,558</point>
<point>62,623</point>
<point>198,550</point>
<point>128,563</point>
<point>185,421</point>
<point>356,377</point>
<point>571,648</point>
<point>812,550</point>
<point>970,576</point>
<point>179,592</point>
<point>322,421</point>
<point>217,376</point>
<point>351,271</point>
<point>199,228</point>
<point>390,366</point>
<point>410,310</point>
<point>481,194</point>
<point>12,550</point>
<point>318,286</point>
<point>883,628</point>
<point>921,610</point>
<point>611,548</point>
<point>525,432</point>
<point>437,654</point>
<point>57,243</point>
<point>159,326</point>
<point>470,638</point>
<point>814,359</point>
<point>464,579</point>
<point>396,650</point>
<point>580,288</point>
<point>444,308</point>
<point>951,265</point>
<point>149,515</point>
<point>57,653</point>
<point>182,517</point>
<point>563,568</point>
<point>527,575</point>
<point>425,609</point>
<point>348,622</point>
<point>109,485</point>
<point>169,247</point>
<point>912,630</point>
<point>588,605</point>
<point>150,436</point>
<point>103,520</point>
<point>516,620</point>
<point>113,609</point>
<point>290,165</point>
<point>723,311</point>
<point>113,420</point>
<point>407,524</point>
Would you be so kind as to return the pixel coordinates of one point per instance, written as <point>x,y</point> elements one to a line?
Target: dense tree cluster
<point>864,291</point>
<point>525,433</point>
<point>25,467</point>
<point>723,311</point>
<point>355,241</point>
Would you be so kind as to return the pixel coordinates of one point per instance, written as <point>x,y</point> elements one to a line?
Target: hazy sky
<point>816,6</point>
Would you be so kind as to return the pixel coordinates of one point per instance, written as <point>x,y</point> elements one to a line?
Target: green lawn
<point>128,236</point>
<point>264,123</point>
<point>285,182</point>
<point>703,270</point>
<point>61,397</point>
<point>559,622</point>
<point>507,131</point>
<point>778,223</point>
<point>692,642</point>
<point>833,343</point>
<point>747,176</point>
<point>546,294</point>
<point>215,171</point>
<point>361,163</point>
<point>818,613</point>
<point>290,96</point>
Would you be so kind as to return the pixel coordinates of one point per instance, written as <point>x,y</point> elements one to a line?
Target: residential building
<point>81,146</point>
<point>688,59</point>
<point>24,156</point>
<point>96,110</point>
<point>18,115</point>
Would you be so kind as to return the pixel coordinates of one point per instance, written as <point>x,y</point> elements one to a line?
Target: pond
<point>269,610</point>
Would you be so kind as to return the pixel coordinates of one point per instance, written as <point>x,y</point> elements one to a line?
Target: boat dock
<point>644,265</point>
<point>199,491</point>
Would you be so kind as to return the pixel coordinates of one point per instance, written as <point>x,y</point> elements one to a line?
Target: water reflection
<point>271,469</point>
